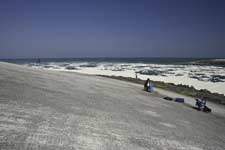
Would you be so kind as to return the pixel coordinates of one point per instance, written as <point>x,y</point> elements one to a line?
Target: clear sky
<point>112,28</point>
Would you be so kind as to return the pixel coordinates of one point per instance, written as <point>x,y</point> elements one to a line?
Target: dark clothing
<point>146,85</point>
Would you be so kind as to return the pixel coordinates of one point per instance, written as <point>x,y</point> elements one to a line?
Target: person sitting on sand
<point>201,104</point>
<point>198,103</point>
<point>147,84</point>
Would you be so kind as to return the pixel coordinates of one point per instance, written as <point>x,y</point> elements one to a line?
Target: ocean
<point>170,70</point>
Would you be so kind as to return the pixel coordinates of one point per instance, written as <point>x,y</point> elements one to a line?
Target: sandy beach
<point>44,109</point>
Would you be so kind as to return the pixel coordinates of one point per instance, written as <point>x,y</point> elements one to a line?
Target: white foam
<point>177,74</point>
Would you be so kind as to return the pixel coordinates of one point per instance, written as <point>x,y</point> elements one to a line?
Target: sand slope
<point>56,110</point>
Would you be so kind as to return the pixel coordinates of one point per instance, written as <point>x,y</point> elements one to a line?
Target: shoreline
<point>170,70</point>
<point>180,89</point>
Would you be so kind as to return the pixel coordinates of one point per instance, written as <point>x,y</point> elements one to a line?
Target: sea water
<point>169,70</point>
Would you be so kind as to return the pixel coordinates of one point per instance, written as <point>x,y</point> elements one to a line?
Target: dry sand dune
<point>55,110</point>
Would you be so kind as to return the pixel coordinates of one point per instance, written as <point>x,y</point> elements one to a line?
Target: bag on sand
<point>151,88</point>
<point>179,100</point>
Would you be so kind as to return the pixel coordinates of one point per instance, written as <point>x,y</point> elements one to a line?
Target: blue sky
<point>112,28</point>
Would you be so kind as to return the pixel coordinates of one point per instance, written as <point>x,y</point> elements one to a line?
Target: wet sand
<point>43,109</point>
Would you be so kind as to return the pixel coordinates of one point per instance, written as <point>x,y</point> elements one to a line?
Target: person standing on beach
<point>136,75</point>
